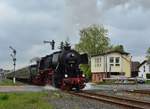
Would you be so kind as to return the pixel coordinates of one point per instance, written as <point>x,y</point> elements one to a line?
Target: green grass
<point>25,100</point>
<point>8,82</point>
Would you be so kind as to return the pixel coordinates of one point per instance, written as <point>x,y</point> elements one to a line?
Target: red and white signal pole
<point>13,55</point>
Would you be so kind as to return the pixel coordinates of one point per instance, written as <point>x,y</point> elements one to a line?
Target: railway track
<point>116,100</point>
<point>145,92</point>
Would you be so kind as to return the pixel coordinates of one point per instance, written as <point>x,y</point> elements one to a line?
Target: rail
<point>145,92</point>
<point>117,100</point>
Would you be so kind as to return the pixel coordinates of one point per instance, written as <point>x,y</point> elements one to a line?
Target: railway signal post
<point>52,43</point>
<point>13,55</point>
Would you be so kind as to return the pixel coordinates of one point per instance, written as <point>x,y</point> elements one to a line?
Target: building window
<point>111,64</point>
<point>114,61</point>
<point>144,68</point>
<point>97,62</point>
<point>111,60</point>
<point>117,64</point>
<point>117,61</point>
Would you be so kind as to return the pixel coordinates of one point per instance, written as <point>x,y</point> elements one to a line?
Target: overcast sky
<point>24,24</point>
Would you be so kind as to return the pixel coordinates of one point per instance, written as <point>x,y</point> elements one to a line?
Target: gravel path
<point>62,100</point>
<point>134,95</point>
<point>91,86</point>
<point>120,90</point>
<point>66,101</point>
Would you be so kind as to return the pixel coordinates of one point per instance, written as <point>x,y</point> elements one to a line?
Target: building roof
<point>145,61</point>
<point>135,66</point>
<point>109,52</point>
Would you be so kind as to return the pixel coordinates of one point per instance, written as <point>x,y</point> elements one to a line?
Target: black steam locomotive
<point>60,69</point>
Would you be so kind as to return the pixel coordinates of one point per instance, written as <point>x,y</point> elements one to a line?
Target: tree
<point>86,70</point>
<point>93,40</point>
<point>148,55</point>
<point>119,48</point>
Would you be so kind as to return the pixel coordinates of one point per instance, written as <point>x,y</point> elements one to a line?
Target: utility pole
<point>52,43</point>
<point>13,55</point>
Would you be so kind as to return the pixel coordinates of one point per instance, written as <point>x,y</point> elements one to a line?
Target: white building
<point>144,70</point>
<point>111,64</point>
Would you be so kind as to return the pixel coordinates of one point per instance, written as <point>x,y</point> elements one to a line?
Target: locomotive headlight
<point>83,75</point>
<point>66,76</point>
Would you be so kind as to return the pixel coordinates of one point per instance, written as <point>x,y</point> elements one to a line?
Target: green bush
<point>86,70</point>
<point>4,97</point>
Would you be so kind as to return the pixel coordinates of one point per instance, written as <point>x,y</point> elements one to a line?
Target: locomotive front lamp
<point>66,76</point>
<point>72,55</point>
<point>83,75</point>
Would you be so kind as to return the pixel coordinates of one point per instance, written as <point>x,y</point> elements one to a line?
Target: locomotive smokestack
<point>67,46</point>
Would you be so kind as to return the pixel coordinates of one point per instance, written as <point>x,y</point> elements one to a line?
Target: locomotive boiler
<point>61,69</point>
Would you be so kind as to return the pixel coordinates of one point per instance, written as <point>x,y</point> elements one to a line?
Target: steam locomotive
<point>60,69</point>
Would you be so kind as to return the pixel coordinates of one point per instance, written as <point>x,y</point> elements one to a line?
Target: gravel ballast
<point>62,100</point>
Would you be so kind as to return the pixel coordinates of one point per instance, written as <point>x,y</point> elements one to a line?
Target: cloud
<point>135,42</point>
<point>134,19</point>
<point>109,4</point>
<point>128,24</point>
<point>25,24</point>
<point>83,12</point>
